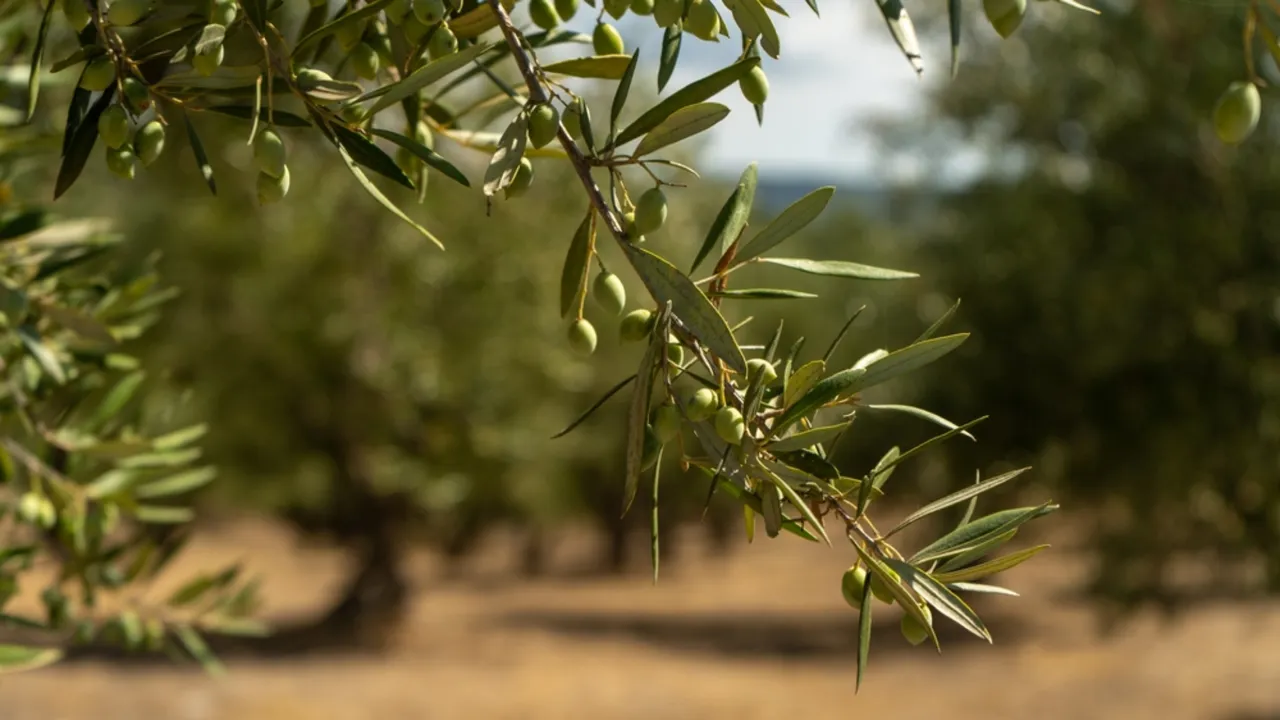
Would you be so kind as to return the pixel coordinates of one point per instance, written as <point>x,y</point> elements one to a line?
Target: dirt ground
<point>761,634</point>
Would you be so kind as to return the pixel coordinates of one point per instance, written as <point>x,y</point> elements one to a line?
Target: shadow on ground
<point>750,636</point>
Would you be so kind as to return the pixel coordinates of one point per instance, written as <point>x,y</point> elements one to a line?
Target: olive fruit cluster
<point>854,582</point>
<point>610,294</point>
<point>270,157</point>
<point>125,148</point>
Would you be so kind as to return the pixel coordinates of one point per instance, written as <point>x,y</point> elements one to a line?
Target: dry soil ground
<point>763,634</point>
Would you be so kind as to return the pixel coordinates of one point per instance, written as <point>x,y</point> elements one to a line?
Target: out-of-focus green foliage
<point>1127,270</point>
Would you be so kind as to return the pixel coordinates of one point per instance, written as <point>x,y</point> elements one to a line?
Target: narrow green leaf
<point>192,591</point>
<point>808,438</point>
<point>425,154</point>
<point>419,79</point>
<point>79,142</point>
<point>980,588</point>
<point>169,458</point>
<point>979,531</point>
<point>245,112</point>
<point>638,415</point>
<point>956,498</point>
<point>839,268</point>
<point>347,19</point>
<point>763,294</point>
<point>695,311</point>
<point>953,16</point>
<point>506,159</point>
<point>202,158</point>
<point>683,123</point>
<point>795,218</point>
<point>581,418</point>
<point>670,55</point>
<point>920,413</point>
<point>937,324</point>
<point>177,484</point>
<point>904,33</point>
<point>771,510</point>
<point>754,22</point>
<point>798,502</point>
<point>41,353</point>
<point>751,502</point>
<point>900,592</point>
<point>732,217</point>
<point>695,92</point>
<point>800,381</point>
<point>373,190</point>
<point>653,518</point>
<point>1080,6</point>
<point>573,276</point>
<point>603,67</point>
<point>198,650</point>
<point>936,439</point>
<point>942,599</point>
<point>365,152</point>
<point>624,90</point>
<point>37,58</point>
<point>990,567</point>
<point>163,515</point>
<point>180,438</point>
<point>110,483</point>
<point>864,624</point>
<point>20,658</point>
<point>977,552</point>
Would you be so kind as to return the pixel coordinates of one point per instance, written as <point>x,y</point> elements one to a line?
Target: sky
<point>834,71</point>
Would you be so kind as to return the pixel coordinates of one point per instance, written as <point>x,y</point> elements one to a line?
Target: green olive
<point>666,422</point>
<point>543,14</point>
<point>124,13</point>
<point>149,142</point>
<point>667,12</point>
<point>1005,15</point>
<point>429,12</point>
<point>364,61</point>
<point>755,86</point>
<point>642,7</point>
<point>582,336</point>
<point>730,425</point>
<point>852,585</point>
<point>703,21</point>
<point>566,9</point>
<point>702,404</point>
<point>1237,113</point>
<point>208,63</point>
<point>636,325</point>
<point>521,181</point>
<point>544,121</point>
<point>113,126</point>
<point>443,43</point>
<point>912,630</point>
<point>122,162</point>
<point>98,74</point>
<point>610,293</point>
<point>651,211</point>
<point>761,366</point>
<point>605,40</point>
<point>273,189</point>
<point>269,153</point>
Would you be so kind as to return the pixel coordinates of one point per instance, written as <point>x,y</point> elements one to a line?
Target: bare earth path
<point>710,641</point>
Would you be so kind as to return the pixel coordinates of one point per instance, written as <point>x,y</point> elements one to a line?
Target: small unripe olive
<point>666,422</point>
<point>544,121</point>
<point>76,13</point>
<point>852,585</point>
<point>311,78</point>
<point>149,142</point>
<point>429,12</point>
<point>636,325</point>
<point>651,211</point>
<point>521,181</point>
<point>761,366</point>
<point>702,404</point>
<point>642,7</point>
<point>442,43</point>
<point>269,153</point>
<point>422,133</point>
<point>880,589</point>
<point>223,12</point>
<point>755,86</point>
<point>649,455</point>
<point>98,74</point>
<point>730,425</point>
<point>364,61</point>
<point>703,21</point>
<point>414,29</point>
<point>572,120</point>
<point>605,40</point>
<point>616,8</point>
<point>397,11</point>
<point>273,189</point>
<point>48,514</point>
<point>127,12</point>
<point>582,336</point>
<point>675,352</point>
<point>566,9</point>
<point>136,94</point>
<point>629,225</point>
<point>353,114</point>
<point>610,293</point>
<point>113,126</point>
<point>349,35</point>
<point>667,12</point>
<point>543,14</point>
<point>121,161</point>
<point>1237,112</point>
<point>912,630</point>
<point>208,63</point>
<point>1004,15</point>
<point>29,507</point>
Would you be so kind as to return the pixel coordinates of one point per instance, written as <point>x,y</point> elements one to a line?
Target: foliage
<point>92,487</point>
<point>757,419</point>
<point>1130,263</point>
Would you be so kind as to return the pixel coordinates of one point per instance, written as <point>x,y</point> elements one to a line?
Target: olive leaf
<point>864,618</point>
<point>762,294</point>
<point>428,156</point>
<point>670,55</point>
<point>82,135</point>
<point>694,310</point>
<point>790,221</point>
<point>808,438</point>
<point>979,531</point>
<point>346,19</point>
<point>732,217</point>
<point>683,123</point>
<point>573,276</point>
<point>201,157</point>
<point>956,498</point>
<point>903,31</point>
<point>244,112</point>
<point>943,600</point>
<point>953,18</point>
<point>620,95</point>
<point>365,152</point>
<point>419,79</point>
<point>839,268</point>
<point>920,413</point>
<point>20,658</point>
<point>506,159</point>
<point>373,190</point>
<point>991,567</point>
<point>754,21</point>
<point>695,92</point>
<point>37,58</point>
<point>604,67</point>
<point>179,484</point>
<point>638,415</point>
<point>905,598</point>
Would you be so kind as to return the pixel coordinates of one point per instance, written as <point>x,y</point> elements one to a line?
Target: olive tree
<point>755,414</point>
